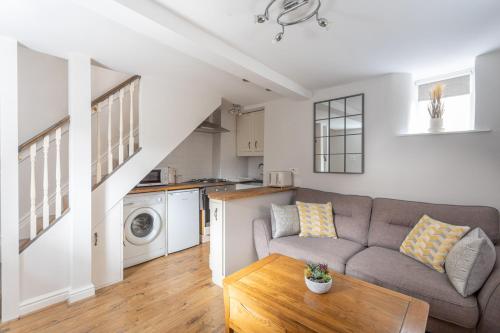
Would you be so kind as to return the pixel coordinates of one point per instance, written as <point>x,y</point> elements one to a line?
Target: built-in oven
<point>154,178</point>
<point>205,203</point>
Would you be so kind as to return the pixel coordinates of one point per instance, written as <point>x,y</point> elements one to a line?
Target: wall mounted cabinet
<point>250,134</point>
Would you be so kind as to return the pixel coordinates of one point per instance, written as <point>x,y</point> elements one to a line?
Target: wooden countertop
<point>248,193</point>
<point>173,187</point>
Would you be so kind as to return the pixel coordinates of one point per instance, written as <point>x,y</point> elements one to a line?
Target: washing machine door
<point>142,226</point>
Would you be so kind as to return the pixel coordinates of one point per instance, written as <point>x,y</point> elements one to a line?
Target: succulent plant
<point>317,272</point>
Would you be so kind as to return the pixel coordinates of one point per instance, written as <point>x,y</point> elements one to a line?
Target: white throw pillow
<point>470,262</point>
<point>284,220</point>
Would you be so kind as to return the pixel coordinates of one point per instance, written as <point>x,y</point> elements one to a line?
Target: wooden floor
<point>169,294</point>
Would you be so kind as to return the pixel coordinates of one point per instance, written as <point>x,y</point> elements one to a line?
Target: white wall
<point>253,170</point>
<point>454,168</point>
<point>45,268</point>
<point>103,79</point>
<point>193,158</point>
<point>43,91</point>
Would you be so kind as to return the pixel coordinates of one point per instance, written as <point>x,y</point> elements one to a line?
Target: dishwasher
<point>183,219</point>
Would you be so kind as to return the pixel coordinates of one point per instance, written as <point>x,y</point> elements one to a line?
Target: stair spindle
<point>98,152</point>
<point>46,143</point>
<point>33,192</point>
<point>110,147</point>
<point>131,141</point>
<point>120,142</point>
<point>58,173</point>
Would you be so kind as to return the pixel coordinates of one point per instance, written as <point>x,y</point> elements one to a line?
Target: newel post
<point>80,175</point>
<point>9,179</point>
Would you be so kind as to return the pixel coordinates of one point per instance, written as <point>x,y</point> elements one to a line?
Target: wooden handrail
<point>43,133</point>
<point>114,90</point>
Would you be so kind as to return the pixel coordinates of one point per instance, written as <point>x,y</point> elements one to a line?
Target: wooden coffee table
<point>271,296</point>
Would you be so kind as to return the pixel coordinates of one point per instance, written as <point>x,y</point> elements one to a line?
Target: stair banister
<point>131,141</point>
<point>110,149</point>
<point>42,140</point>
<point>58,174</point>
<point>120,140</point>
<point>46,143</point>
<point>118,149</point>
<point>33,191</point>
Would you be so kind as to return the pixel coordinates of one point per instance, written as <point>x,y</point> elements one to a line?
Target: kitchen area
<point>169,210</point>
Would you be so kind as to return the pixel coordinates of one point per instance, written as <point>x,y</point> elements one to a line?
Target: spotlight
<point>260,19</point>
<point>278,37</point>
<point>322,22</point>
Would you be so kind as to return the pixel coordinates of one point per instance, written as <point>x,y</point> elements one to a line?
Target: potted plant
<point>317,278</point>
<point>436,108</point>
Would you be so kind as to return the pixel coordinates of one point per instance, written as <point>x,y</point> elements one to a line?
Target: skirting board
<point>82,293</point>
<point>40,302</point>
<point>58,296</point>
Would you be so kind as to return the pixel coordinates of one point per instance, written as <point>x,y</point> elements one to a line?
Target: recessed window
<point>458,101</point>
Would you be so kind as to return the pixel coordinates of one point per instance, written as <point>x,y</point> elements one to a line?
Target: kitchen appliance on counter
<point>183,219</point>
<point>144,228</point>
<point>154,178</point>
<point>280,178</point>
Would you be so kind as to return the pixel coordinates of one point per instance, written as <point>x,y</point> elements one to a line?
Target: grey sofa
<point>370,233</point>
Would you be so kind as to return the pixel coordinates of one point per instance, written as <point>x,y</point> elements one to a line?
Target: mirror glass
<point>321,128</point>
<point>321,163</point>
<point>339,135</point>
<point>354,105</point>
<point>337,163</point>
<point>322,111</point>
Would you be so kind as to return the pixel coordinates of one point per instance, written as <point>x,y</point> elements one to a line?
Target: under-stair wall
<point>169,110</point>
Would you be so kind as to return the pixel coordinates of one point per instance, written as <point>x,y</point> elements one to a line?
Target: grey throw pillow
<point>284,220</point>
<point>470,262</point>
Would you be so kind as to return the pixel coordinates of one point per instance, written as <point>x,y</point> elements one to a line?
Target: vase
<point>318,287</point>
<point>435,125</point>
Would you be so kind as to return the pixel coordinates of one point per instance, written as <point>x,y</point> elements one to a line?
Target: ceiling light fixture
<point>293,12</point>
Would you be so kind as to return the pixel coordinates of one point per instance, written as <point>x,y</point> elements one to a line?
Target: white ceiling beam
<point>156,22</point>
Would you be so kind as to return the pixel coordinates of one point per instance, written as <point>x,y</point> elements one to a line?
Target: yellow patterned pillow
<point>316,220</point>
<point>430,241</point>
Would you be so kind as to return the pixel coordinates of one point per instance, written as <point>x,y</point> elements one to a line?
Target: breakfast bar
<point>231,229</point>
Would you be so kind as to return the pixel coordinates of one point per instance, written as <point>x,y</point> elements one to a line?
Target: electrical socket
<point>295,171</point>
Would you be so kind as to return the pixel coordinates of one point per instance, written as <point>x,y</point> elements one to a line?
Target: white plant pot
<point>318,288</point>
<point>435,124</point>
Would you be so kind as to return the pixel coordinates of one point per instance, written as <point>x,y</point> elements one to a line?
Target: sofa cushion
<point>394,270</point>
<point>334,252</point>
<point>392,220</point>
<point>351,212</point>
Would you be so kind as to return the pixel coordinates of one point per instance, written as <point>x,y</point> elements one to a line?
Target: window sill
<point>444,132</point>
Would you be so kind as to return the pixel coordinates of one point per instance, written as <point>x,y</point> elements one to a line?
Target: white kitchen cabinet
<point>231,231</point>
<point>250,134</point>
<point>107,248</point>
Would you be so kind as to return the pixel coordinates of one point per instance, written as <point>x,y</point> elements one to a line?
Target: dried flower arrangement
<point>317,273</point>
<point>436,105</point>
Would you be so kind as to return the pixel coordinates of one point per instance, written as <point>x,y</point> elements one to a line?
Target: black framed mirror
<point>339,135</point>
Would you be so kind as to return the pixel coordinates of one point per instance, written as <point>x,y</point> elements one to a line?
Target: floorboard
<point>168,294</point>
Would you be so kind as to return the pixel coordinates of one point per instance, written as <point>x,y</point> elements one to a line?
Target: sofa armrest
<point>489,300</point>
<point>262,235</point>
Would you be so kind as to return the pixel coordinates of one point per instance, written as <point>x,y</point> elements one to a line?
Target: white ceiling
<point>366,37</point>
<point>59,27</point>
<point>218,43</point>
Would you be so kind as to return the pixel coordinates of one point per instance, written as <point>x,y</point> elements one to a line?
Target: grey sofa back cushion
<point>351,212</point>
<point>392,220</point>
<point>470,262</point>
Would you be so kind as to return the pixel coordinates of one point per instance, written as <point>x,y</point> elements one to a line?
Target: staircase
<point>55,240</point>
<point>117,104</point>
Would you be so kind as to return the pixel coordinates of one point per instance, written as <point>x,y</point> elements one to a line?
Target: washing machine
<point>144,226</point>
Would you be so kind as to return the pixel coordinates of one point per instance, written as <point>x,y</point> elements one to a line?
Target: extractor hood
<point>209,127</point>
<point>212,124</point>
